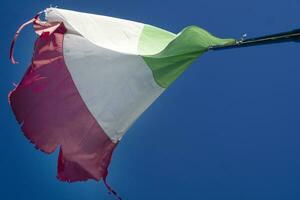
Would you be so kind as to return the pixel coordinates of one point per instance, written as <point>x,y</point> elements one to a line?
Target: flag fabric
<point>90,78</point>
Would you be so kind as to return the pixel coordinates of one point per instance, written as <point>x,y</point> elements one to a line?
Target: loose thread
<point>111,191</point>
<point>12,46</point>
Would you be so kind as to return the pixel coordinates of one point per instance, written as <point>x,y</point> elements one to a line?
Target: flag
<point>90,78</point>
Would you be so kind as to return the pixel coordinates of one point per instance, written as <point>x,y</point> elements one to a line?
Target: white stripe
<point>108,32</point>
<point>117,88</point>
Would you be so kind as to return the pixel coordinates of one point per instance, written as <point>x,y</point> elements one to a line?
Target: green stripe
<point>168,56</point>
<point>153,40</point>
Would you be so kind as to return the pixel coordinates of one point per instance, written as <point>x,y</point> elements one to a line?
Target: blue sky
<point>228,128</point>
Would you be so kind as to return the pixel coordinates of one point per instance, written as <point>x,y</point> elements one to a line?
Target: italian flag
<point>90,78</point>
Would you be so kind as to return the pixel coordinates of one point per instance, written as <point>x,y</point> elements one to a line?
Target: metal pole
<point>290,36</point>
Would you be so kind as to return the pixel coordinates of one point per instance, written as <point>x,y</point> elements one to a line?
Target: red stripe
<point>52,113</point>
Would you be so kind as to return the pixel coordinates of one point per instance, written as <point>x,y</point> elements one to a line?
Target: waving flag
<point>90,78</point>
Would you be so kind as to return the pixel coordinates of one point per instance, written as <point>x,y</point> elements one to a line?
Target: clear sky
<point>228,128</point>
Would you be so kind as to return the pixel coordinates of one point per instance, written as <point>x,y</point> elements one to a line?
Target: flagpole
<point>290,36</point>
